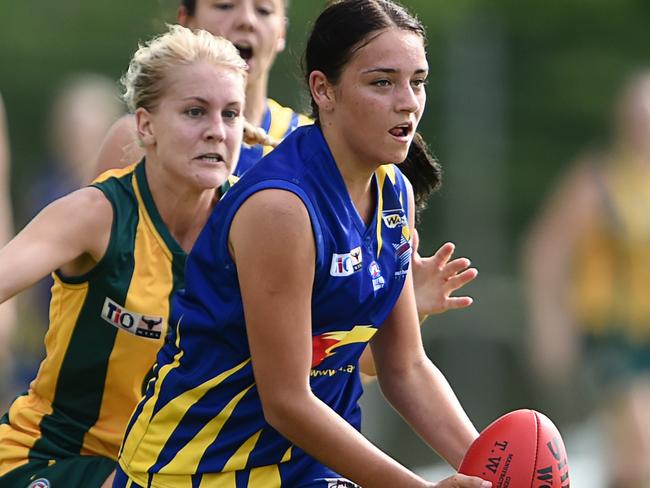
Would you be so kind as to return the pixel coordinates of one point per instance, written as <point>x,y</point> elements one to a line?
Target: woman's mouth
<point>245,51</point>
<point>211,158</point>
<point>401,131</point>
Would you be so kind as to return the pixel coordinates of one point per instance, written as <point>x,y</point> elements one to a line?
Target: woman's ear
<point>281,43</point>
<point>144,127</point>
<point>322,92</point>
<point>182,16</point>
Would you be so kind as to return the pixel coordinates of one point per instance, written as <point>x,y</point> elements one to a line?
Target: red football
<point>522,449</point>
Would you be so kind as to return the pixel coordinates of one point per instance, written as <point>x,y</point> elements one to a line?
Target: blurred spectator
<point>7,309</point>
<point>587,264</point>
<point>81,114</point>
<point>82,111</point>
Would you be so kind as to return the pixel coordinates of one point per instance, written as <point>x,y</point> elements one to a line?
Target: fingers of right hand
<point>461,481</point>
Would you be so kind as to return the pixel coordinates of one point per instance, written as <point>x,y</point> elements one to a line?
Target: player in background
<point>116,250</point>
<point>587,263</point>
<point>257,385</point>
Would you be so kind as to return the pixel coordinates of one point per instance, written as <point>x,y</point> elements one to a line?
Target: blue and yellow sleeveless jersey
<point>105,330</point>
<point>278,123</point>
<point>201,421</point>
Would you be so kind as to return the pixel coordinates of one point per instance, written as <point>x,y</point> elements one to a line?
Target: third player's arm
<point>414,386</point>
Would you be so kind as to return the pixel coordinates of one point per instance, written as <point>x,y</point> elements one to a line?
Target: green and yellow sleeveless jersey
<point>104,332</point>
<point>611,268</point>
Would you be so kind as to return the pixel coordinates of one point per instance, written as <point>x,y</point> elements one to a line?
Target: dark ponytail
<point>423,171</point>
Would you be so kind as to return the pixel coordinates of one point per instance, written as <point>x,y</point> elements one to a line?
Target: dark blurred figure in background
<point>587,265</point>
<point>81,113</point>
<point>83,109</point>
<point>7,309</point>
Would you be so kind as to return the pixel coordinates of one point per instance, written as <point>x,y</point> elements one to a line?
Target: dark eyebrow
<point>393,70</point>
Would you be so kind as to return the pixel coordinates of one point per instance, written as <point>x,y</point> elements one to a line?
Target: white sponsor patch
<point>393,218</point>
<point>147,326</point>
<point>346,264</point>
<point>340,483</point>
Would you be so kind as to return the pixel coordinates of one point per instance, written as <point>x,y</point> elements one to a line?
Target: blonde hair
<point>144,80</point>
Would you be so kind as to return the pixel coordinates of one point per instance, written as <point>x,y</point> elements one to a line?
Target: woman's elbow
<point>280,407</point>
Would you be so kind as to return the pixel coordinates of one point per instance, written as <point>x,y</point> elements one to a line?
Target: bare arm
<point>70,234</point>
<point>435,278</point>
<point>414,386</point>
<point>547,255</point>
<point>121,146</point>
<point>277,306</point>
<point>8,309</point>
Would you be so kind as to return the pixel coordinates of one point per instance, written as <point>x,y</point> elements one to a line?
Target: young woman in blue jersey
<point>117,251</point>
<point>258,383</point>
<point>258,28</point>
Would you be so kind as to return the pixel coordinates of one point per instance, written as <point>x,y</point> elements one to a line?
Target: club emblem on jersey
<point>378,281</point>
<point>393,218</point>
<point>346,264</point>
<point>40,483</point>
<point>325,345</point>
<point>403,253</point>
<point>147,326</point>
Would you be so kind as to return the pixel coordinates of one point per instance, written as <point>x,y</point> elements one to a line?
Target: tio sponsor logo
<point>346,264</point>
<point>146,326</point>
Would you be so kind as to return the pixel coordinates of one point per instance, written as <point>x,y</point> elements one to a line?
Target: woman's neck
<point>183,209</point>
<point>356,174</point>
<point>256,94</point>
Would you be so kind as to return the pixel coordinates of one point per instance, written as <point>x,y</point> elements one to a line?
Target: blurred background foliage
<point>517,90</point>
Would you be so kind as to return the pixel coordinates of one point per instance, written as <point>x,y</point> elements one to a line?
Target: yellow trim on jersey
<point>144,216</point>
<point>238,460</point>
<point>280,122</point>
<point>214,480</point>
<point>265,477</point>
<point>260,477</point>
<point>157,429</point>
<point>138,430</point>
<point>217,480</point>
<point>381,178</point>
<point>152,278</point>
<point>27,411</point>
<point>13,456</point>
<point>117,173</point>
<point>287,455</point>
<point>189,457</point>
<point>65,306</point>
